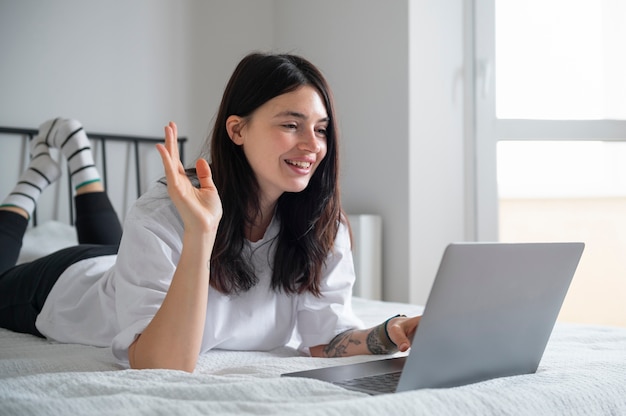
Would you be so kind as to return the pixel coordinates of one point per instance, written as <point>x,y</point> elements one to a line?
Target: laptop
<point>490,313</point>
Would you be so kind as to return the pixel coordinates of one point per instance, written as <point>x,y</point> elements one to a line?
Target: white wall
<point>124,66</point>
<point>131,66</point>
<point>436,145</point>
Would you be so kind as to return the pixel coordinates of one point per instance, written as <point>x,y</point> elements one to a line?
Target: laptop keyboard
<point>382,383</point>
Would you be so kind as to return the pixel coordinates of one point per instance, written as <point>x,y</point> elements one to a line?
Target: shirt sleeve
<point>149,252</point>
<point>320,319</point>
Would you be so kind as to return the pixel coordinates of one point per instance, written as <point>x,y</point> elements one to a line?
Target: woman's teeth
<point>299,164</point>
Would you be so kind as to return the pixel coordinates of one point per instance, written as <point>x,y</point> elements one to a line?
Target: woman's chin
<point>296,188</point>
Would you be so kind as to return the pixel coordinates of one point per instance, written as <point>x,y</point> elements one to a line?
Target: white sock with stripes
<point>69,136</point>
<point>42,171</point>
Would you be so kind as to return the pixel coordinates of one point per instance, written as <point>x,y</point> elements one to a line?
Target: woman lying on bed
<point>266,259</point>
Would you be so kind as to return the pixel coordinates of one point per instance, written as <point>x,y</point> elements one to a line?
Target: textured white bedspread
<point>583,372</point>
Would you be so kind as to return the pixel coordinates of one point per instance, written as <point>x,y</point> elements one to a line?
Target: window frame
<point>489,130</point>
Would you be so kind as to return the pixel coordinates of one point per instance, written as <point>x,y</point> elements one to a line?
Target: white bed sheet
<point>46,238</point>
<point>583,372</point>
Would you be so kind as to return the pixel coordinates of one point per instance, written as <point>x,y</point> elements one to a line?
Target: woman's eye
<point>290,126</point>
<point>322,132</point>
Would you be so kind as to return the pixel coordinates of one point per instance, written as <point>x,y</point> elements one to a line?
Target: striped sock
<point>42,171</point>
<point>69,136</point>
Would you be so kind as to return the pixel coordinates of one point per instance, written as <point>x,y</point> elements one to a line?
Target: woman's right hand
<point>199,208</point>
<point>173,338</point>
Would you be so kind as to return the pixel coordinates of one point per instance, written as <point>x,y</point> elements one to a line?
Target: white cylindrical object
<point>367,253</point>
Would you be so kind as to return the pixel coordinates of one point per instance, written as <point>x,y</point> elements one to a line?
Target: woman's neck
<point>262,220</point>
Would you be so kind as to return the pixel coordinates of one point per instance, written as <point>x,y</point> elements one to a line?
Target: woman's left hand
<point>401,331</point>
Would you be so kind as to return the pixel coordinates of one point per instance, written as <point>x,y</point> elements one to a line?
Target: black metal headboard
<point>101,140</point>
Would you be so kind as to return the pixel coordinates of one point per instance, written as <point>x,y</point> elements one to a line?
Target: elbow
<point>318,351</point>
<point>149,359</point>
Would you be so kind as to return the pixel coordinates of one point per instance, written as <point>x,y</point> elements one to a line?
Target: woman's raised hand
<point>199,208</point>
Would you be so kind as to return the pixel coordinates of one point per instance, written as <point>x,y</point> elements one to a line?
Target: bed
<point>583,370</point>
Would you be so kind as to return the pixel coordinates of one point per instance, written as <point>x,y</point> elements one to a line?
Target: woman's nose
<point>310,142</point>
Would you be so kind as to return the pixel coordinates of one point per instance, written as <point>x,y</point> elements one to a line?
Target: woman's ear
<point>234,125</point>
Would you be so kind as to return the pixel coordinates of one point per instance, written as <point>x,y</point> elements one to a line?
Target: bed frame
<point>104,159</point>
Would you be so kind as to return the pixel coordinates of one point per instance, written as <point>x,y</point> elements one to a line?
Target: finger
<point>398,336</point>
<point>203,171</point>
<point>171,140</point>
<point>168,165</point>
<point>411,324</point>
<point>169,153</point>
<point>174,128</point>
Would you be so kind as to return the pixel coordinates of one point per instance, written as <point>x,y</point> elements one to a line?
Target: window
<point>560,59</point>
<point>551,138</point>
<point>571,191</point>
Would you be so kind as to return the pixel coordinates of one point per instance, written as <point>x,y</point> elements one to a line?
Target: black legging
<point>24,288</point>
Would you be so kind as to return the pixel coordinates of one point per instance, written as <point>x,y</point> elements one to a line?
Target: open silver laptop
<point>490,313</point>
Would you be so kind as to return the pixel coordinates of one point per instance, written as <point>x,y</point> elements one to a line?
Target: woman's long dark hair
<point>309,220</point>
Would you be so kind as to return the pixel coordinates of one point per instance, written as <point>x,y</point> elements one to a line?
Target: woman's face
<point>284,141</point>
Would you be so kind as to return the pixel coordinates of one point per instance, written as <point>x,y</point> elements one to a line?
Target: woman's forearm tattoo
<point>376,344</point>
<point>376,340</point>
<point>339,345</point>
